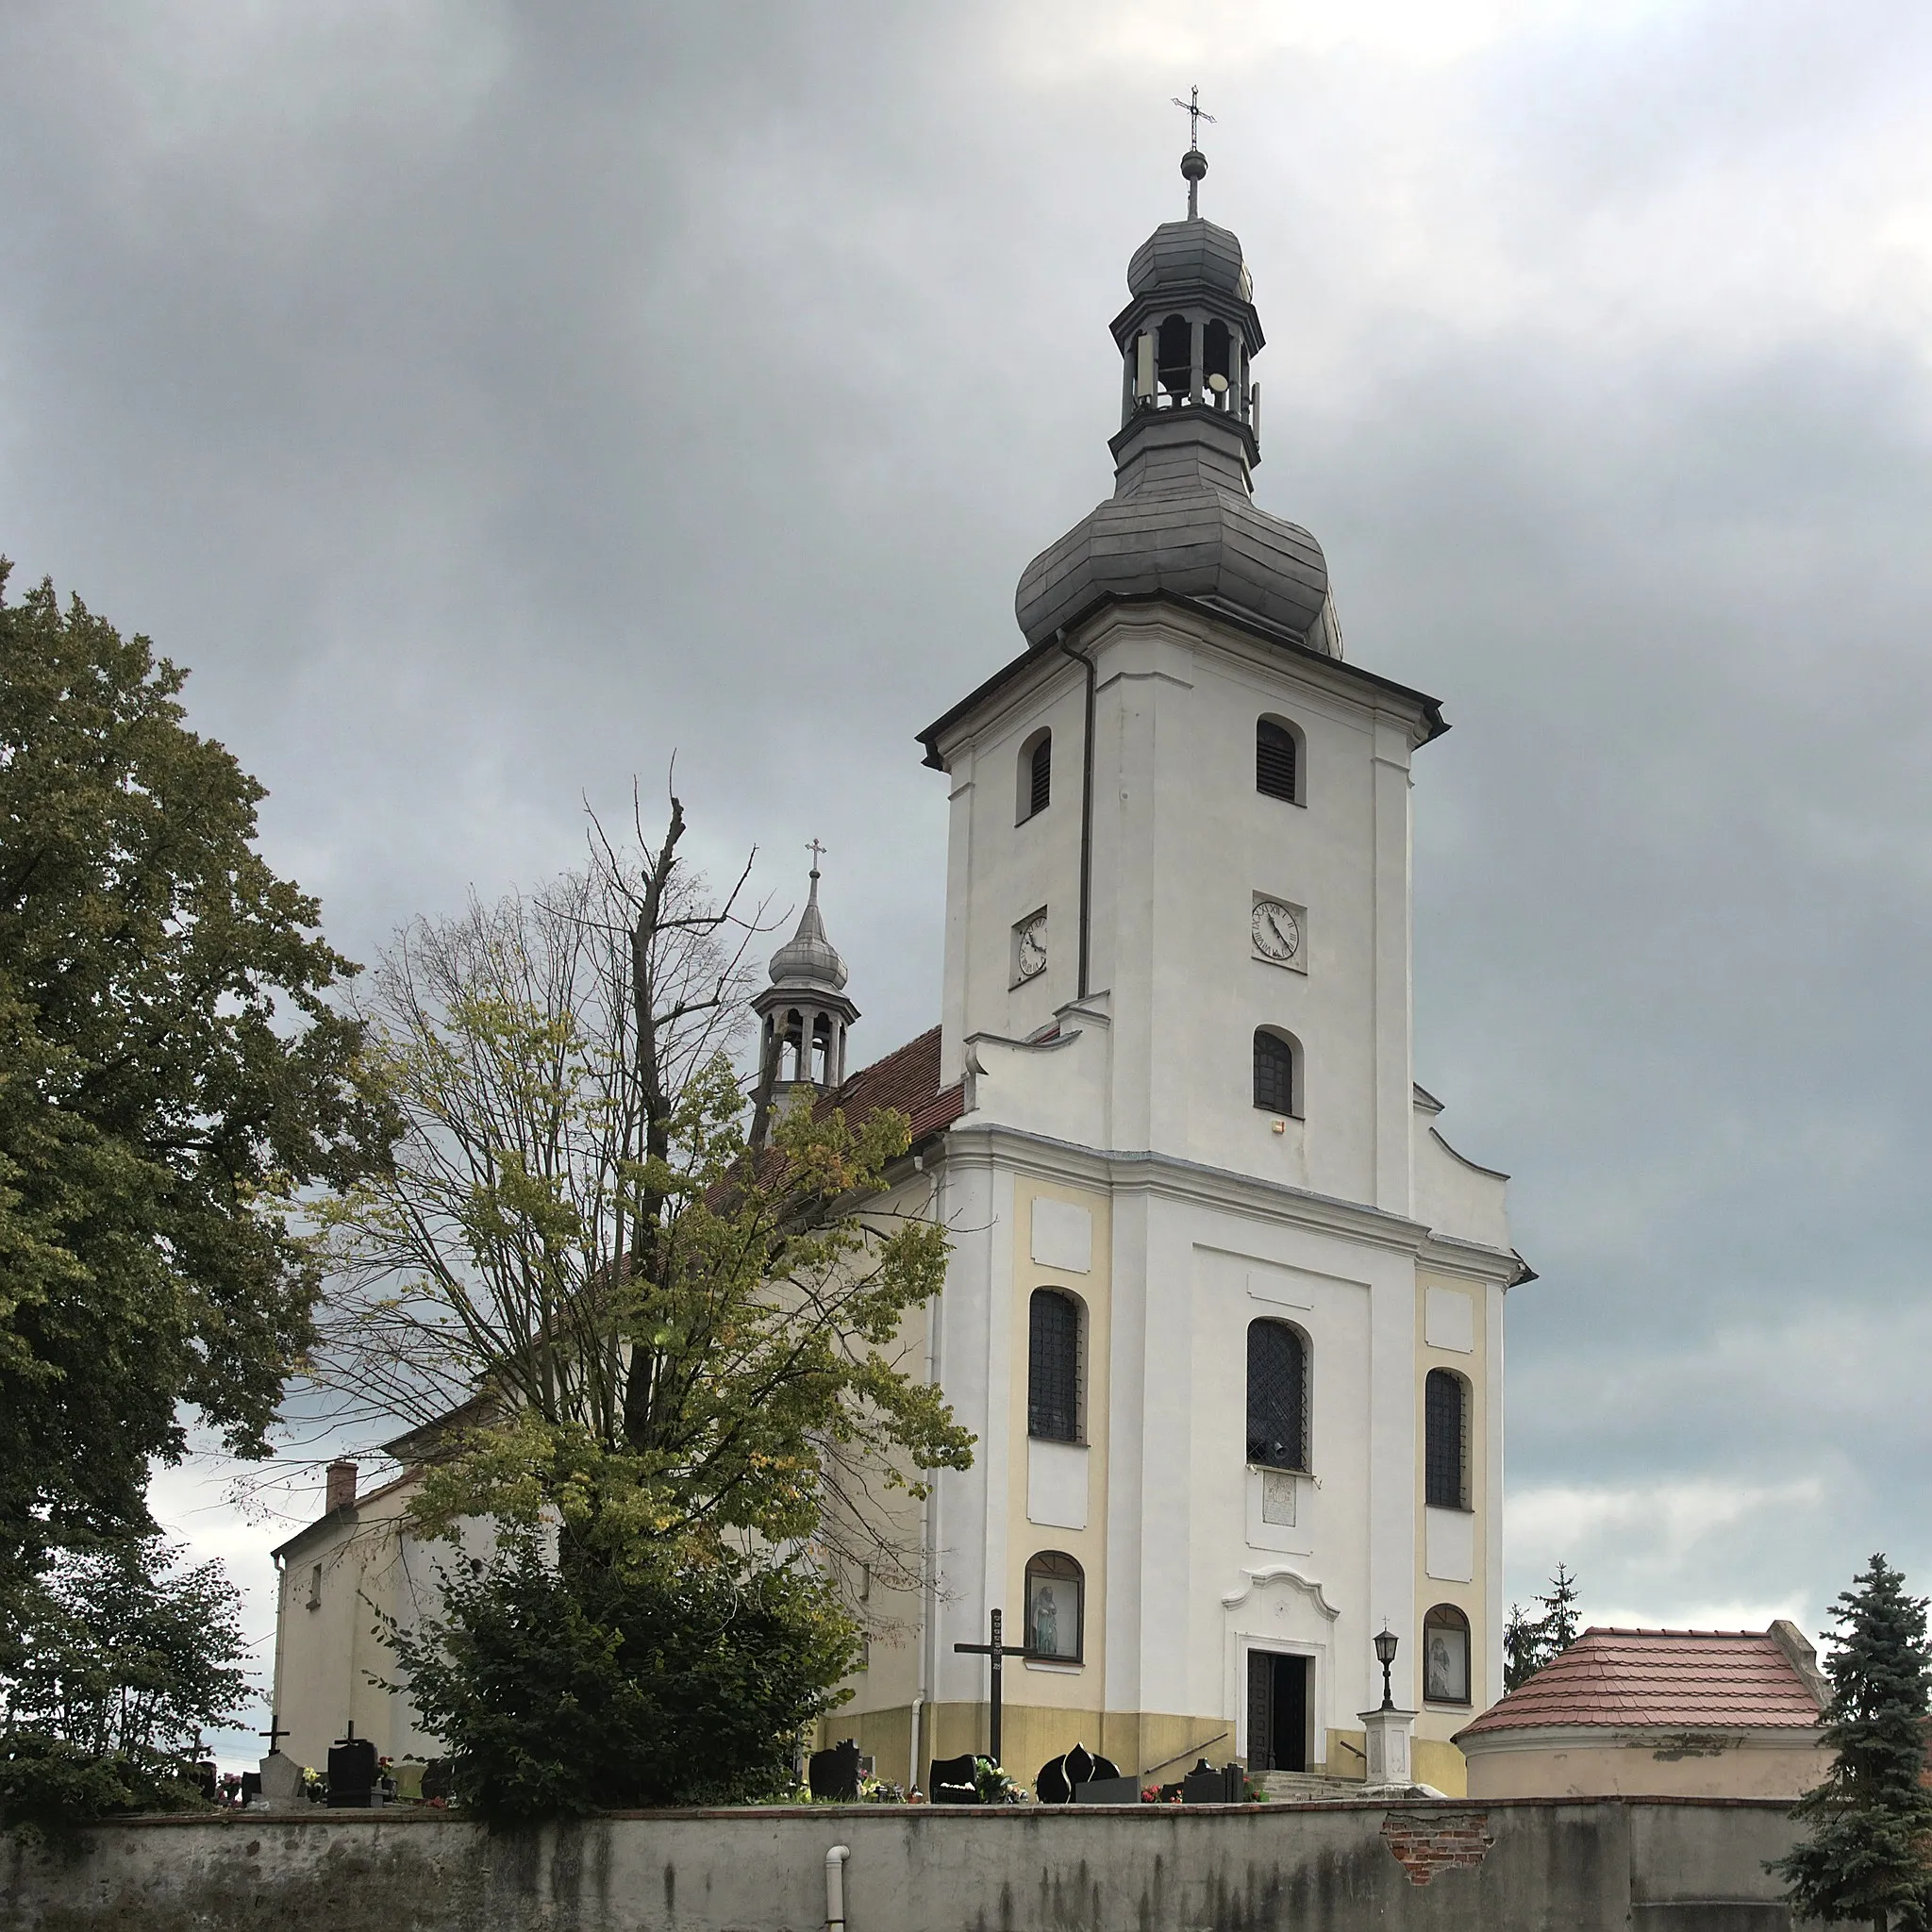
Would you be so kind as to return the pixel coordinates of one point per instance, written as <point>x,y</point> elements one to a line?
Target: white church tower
<point>1225,1309</point>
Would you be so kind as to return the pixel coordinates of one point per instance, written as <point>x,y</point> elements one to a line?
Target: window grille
<point>1053,1374</point>
<point>1274,1073</point>
<point>1443,1441</point>
<point>1277,1397</point>
<point>1039,780</point>
<point>1275,761</point>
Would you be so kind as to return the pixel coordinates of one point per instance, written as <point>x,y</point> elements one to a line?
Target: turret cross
<point>1196,113</point>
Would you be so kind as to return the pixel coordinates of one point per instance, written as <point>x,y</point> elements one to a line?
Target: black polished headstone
<point>1108,1791</point>
<point>251,1786</point>
<point>952,1781</point>
<point>834,1774</point>
<point>1052,1786</point>
<point>351,1773</point>
<point>208,1781</point>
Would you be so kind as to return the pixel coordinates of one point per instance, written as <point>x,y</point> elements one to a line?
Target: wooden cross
<point>1196,113</point>
<point>273,1732</point>
<point>995,1651</point>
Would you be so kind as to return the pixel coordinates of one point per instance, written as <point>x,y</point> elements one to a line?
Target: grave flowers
<point>996,1784</point>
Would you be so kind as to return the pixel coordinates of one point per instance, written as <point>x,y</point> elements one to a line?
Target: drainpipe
<point>1086,663</point>
<point>835,1887</point>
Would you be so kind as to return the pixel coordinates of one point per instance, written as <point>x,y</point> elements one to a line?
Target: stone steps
<point>1307,1787</point>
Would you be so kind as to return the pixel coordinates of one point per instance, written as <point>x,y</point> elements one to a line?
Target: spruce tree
<point>1530,1642</point>
<point>1869,1854</point>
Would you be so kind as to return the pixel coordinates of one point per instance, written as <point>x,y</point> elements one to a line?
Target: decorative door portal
<point>1277,1712</point>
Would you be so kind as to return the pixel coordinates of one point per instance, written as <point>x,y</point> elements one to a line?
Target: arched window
<point>1275,1086</point>
<point>1055,1607</point>
<point>1173,351</point>
<point>1445,1440</point>
<point>1277,1396</point>
<point>1445,1655</point>
<point>1053,1366</point>
<point>1036,776</point>
<point>1277,760</point>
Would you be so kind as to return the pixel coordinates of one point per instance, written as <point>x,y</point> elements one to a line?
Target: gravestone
<point>281,1781</point>
<point>952,1781</point>
<point>408,1779</point>
<point>206,1779</point>
<point>436,1781</point>
<point>1108,1791</point>
<point>1209,1785</point>
<point>1061,1780</point>
<point>351,1773</point>
<point>251,1788</point>
<point>834,1774</point>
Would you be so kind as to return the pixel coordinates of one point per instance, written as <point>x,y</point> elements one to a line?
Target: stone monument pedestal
<point>1391,1759</point>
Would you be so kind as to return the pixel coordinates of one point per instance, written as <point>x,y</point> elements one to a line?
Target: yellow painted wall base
<point>1151,1745</point>
<point>1442,1765</point>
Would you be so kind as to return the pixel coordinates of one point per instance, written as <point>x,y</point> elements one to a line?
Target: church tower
<point>1225,1309</point>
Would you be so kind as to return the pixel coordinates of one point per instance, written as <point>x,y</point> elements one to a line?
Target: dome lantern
<point>804,1011</point>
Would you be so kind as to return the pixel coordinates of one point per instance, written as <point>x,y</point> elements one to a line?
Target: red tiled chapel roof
<point>1719,1679</point>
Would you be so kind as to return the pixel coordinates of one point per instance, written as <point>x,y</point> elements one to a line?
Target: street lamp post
<point>1385,1641</point>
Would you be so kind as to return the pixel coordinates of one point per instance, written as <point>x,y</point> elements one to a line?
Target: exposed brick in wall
<point>1426,1842</point>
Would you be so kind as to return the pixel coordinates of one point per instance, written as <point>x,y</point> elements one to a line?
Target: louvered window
<point>1445,1440</point>
<point>1275,761</point>
<point>1277,1397</point>
<point>1053,1369</point>
<point>1039,780</point>
<point>1274,1073</point>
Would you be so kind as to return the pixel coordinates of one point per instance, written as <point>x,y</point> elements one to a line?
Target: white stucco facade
<point>1132,1110</point>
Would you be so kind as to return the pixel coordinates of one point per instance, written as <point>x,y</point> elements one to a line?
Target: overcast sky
<point>485,400</point>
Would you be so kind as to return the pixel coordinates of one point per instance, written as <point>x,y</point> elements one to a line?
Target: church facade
<point>1225,1309</point>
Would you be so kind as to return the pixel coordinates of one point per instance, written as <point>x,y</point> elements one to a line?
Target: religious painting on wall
<point>1445,1655</point>
<point>1052,1608</point>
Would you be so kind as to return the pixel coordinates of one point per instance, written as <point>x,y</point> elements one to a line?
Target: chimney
<point>341,1486</point>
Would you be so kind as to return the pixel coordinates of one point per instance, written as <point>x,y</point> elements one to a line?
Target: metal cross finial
<point>275,1733</point>
<point>1196,113</point>
<point>818,852</point>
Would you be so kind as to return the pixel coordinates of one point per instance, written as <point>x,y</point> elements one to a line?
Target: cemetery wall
<point>1444,1866</point>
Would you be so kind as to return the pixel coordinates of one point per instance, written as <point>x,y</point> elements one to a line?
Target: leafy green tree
<point>1868,1854</point>
<point>170,1068</point>
<point>1530,1642</point>
<point>649,1685</point>
<point>117,1662</point>
<point>652,1329</point>
<point>597,1302</point>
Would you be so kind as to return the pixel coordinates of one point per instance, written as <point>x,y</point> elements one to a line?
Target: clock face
<point>1030,956</point>
<point>1277,932</point>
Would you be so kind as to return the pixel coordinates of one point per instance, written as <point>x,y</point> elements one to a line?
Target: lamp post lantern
<point>1385,1641</point>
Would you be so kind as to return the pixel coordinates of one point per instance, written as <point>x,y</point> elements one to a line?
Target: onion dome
<point>1182,520</point>
<point>1194,255</point>
<point>809,958</point>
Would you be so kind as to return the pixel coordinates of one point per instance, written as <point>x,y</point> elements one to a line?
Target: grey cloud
<point>487,401</point>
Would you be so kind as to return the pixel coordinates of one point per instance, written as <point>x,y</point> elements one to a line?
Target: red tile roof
<point>909,1080</point>
<point>1719,1678</point>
